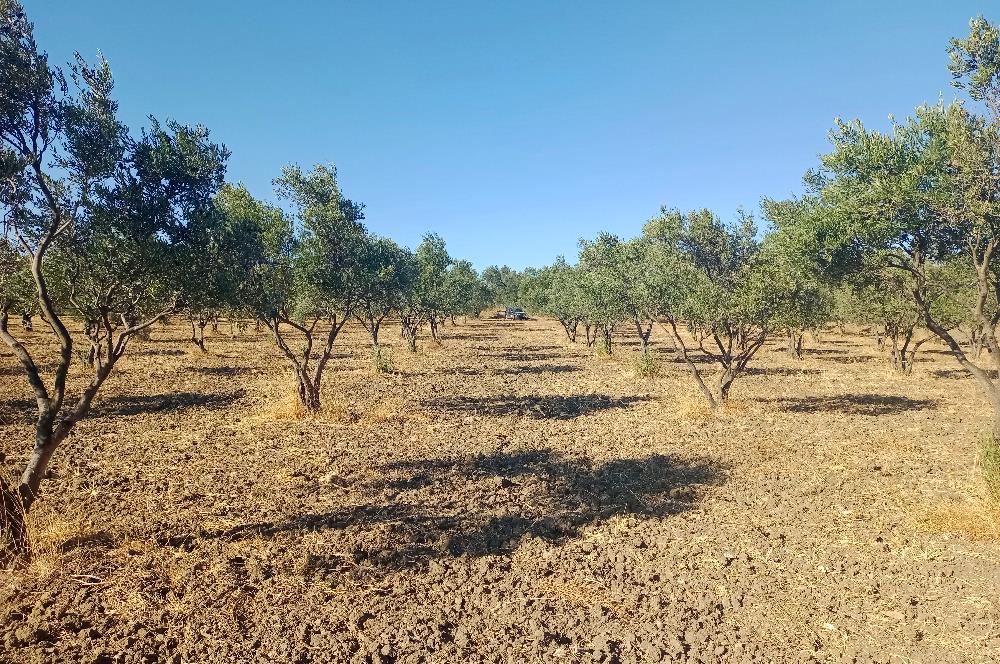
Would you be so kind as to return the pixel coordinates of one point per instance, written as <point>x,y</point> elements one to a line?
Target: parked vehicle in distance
<point>515,313</point>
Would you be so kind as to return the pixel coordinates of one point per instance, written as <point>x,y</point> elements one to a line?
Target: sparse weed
<point>382,360</point>
<point>646,366</point>
<point>989,460</point>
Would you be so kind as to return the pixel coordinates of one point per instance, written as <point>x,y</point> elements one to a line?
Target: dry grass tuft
<point>975,519</point>
<point>691,406</point>
<point>989,461</point>
<point>283,405</point>
<point>55,539</point>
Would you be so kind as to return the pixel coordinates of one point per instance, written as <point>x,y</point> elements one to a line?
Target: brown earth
<point>508,497</point>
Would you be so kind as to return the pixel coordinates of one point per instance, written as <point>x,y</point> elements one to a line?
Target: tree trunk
<point>409,329</point>
<point>644,334</point>
<point>570,328</point>
<point>13,530</point>
<point>692,367</point>
<point>308,393</point>
<point>198,332</point>
<point>725,383</point>
<point>795,344</point>
<point>606,339</point>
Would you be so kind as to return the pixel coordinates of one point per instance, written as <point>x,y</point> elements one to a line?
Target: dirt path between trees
<point>508,497</point>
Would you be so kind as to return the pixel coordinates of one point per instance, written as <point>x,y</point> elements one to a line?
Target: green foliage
<point>645,365</point>
<point>329,241</point>
<point>382,359</point>
<point>974,62</point>
<point>989,461</point>
<point>502,286</point>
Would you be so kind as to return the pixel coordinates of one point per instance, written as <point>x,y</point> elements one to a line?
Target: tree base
<point>13,529</point>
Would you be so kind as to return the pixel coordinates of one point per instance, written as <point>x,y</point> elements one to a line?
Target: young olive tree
<point>565,296</point>
<point>619,269</point>
<point>427,301</point>
<point>464,292</point>
<point>716,278</point>
<point>808,301</point>
<point>602,289</point>
<point>385,278</point>
<point>228,249</point>
<point>306,280</point>
<point>101,224</point>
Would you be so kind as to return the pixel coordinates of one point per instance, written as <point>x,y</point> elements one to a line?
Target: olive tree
<point>385,277</point>
<point>565,296</point>
<point>464,291</point>
<point>427,300</point>
<point>619,269</point>
<point>604,302</point>
<point>913,199</point>
<point>102,224</point>
<point>502,286</point>
<point>305,282</point>
<point>716,278</point>
<point>808,301</point>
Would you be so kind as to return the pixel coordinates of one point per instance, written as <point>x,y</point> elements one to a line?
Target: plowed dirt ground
<point>508,497</point>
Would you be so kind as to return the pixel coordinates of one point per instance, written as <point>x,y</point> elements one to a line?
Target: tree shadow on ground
<point>695,357</point>
<point>170,352</point>
<point>853,404</point>
<point>536,406</point>
<point>953,374</point>
<point>18,411</point>
<point>223,372</point>
<point>850,358</point>
<point>780,371</point>
<point>518,370</point>
<point>12,370</point>
<point>522,356</point>
<point>163,403</point>
<point>481,505</point>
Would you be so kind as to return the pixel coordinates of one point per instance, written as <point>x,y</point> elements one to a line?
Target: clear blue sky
<point>514,128</point>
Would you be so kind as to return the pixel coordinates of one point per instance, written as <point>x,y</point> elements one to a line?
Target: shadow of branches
<point>555,407</point>
<point>482,505</point>
<point>519,370</point>
<point>853,404</point>
<point>161,403</point>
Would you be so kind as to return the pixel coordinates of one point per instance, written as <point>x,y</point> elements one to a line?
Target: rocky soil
<point>508,497</point>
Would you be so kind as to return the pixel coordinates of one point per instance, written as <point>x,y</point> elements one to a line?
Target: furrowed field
<point>508,496</point>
